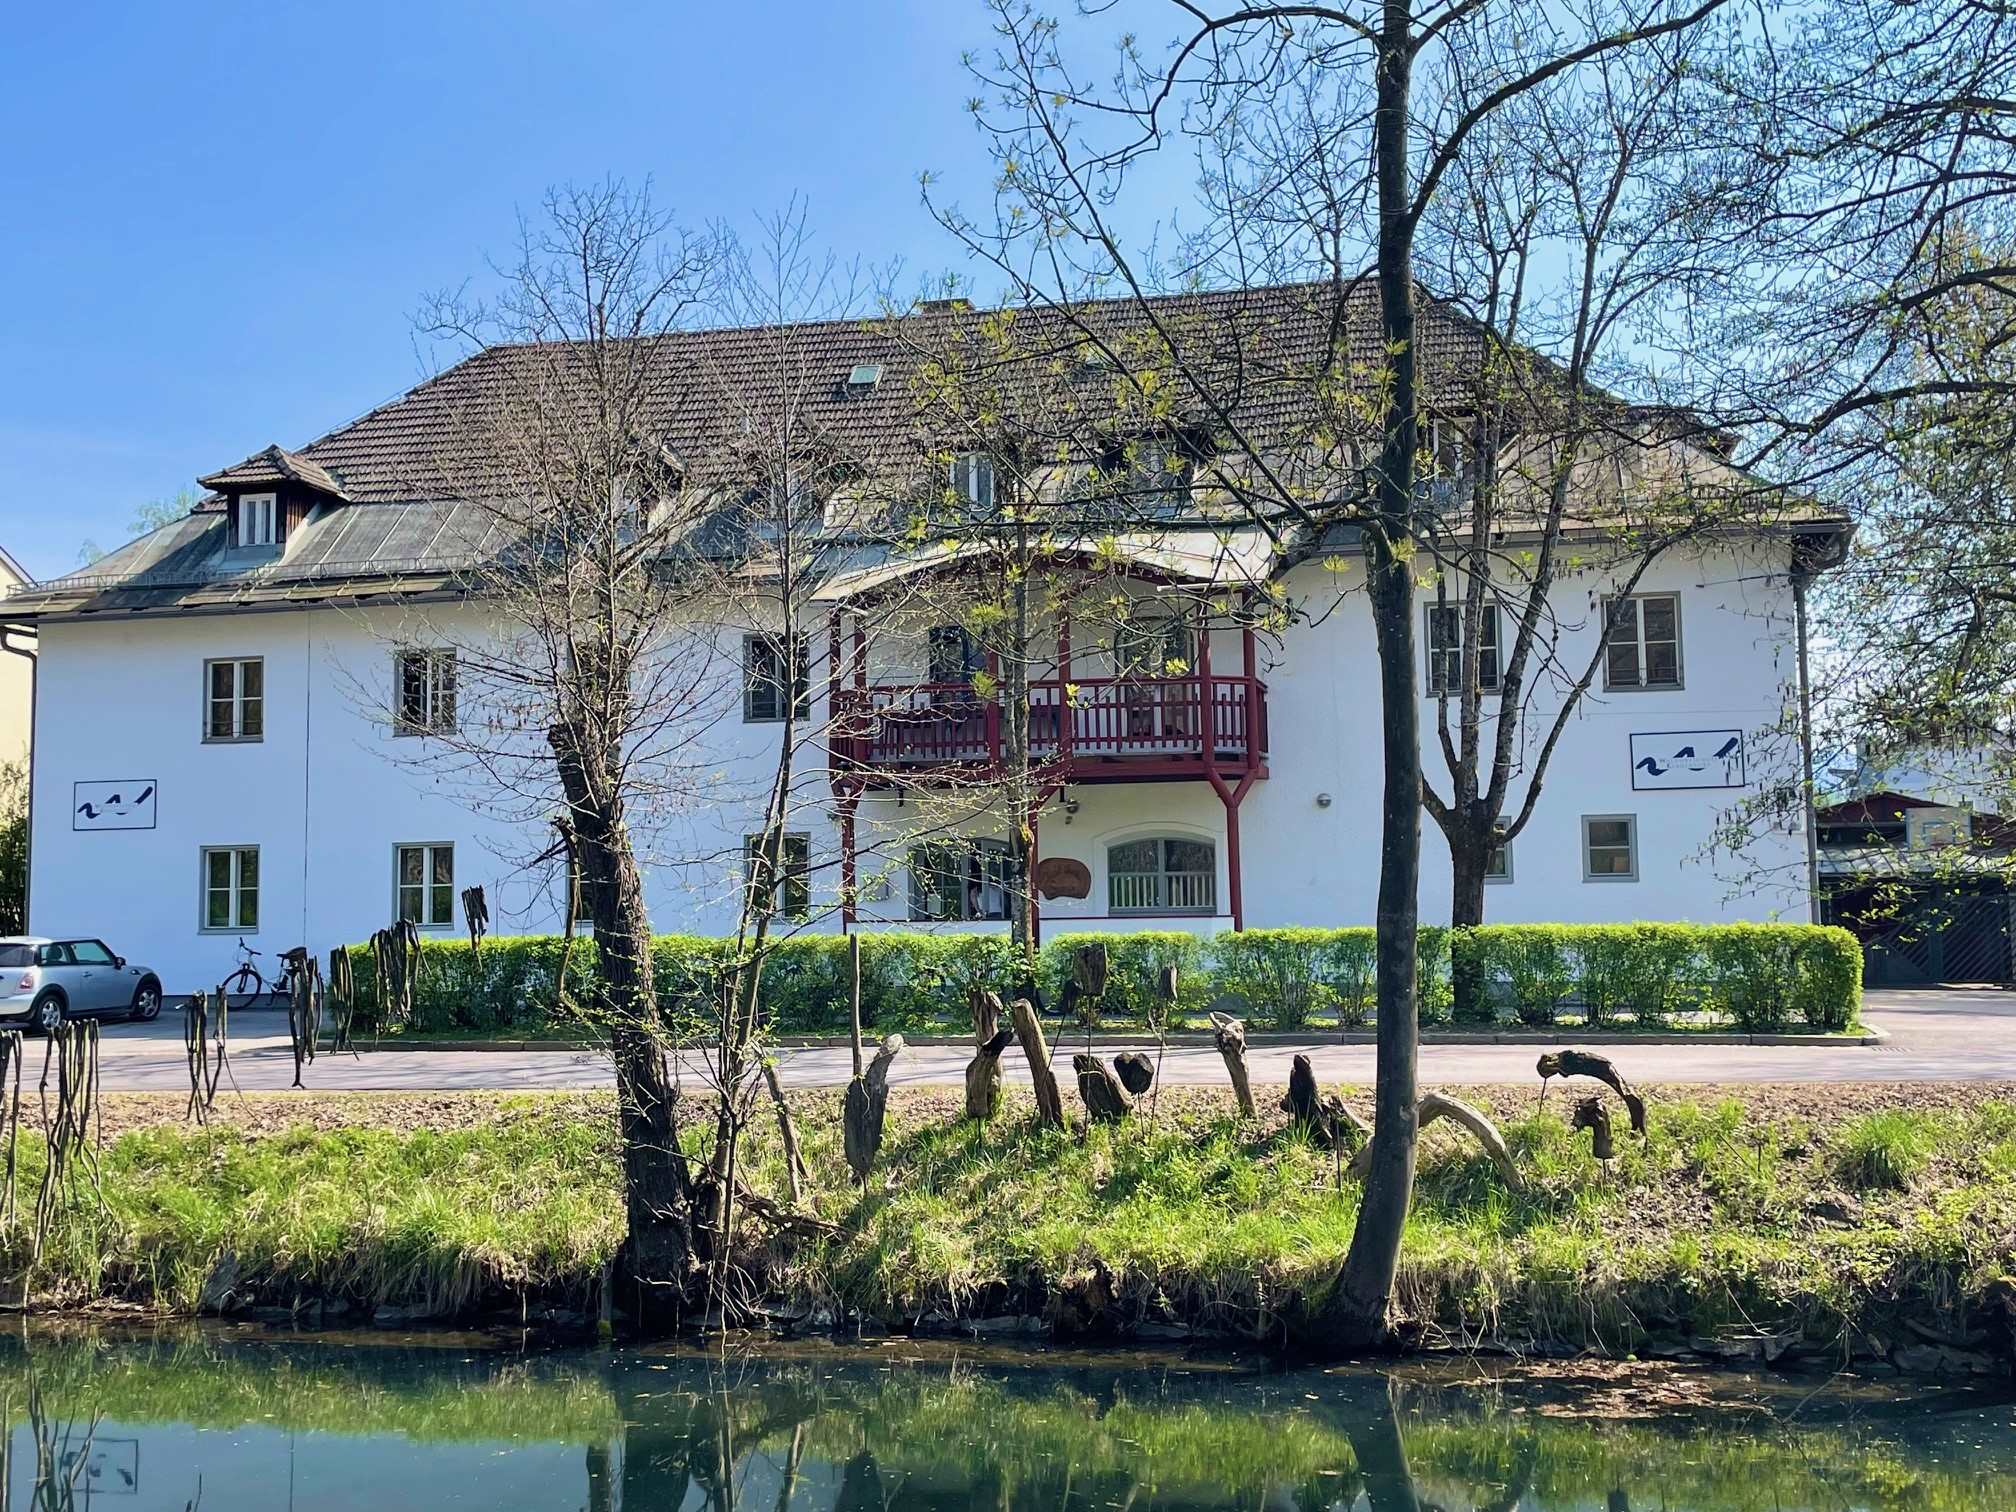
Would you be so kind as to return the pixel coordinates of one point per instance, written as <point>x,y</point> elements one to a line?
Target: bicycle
<point>248,982</point>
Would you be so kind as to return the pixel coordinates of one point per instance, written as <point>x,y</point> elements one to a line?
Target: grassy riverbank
<point>1756,1221</point>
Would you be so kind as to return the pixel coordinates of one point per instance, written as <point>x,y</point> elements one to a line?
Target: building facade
<point>242,737</point>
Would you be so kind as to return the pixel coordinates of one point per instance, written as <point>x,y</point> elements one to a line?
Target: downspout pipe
<point>28,653</point>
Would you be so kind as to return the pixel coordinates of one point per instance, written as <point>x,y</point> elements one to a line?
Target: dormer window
<point>258,519</point>
<point>972,479</point>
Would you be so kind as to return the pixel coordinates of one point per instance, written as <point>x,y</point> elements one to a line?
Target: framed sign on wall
<point>1675,759</point>
<point>125,803</point>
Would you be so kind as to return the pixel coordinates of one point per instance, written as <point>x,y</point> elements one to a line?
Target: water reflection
<point>197,1421</point>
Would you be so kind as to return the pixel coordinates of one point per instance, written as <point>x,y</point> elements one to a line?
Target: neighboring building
<point>17,670</point>
<point>1923,878</point>
<point>233,717</point>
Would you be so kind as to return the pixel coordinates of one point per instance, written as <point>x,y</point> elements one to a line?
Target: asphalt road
<point>1942,1035</point>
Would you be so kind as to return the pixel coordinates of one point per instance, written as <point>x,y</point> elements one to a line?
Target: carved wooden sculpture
<point>1329,1122</point>
<point>867,1102</point>
<point>1049,1102</point>
<point>1135,1070</point>
<point>1229,1035</point>
<point>1565,1063</point>
<point>1105,1099</point>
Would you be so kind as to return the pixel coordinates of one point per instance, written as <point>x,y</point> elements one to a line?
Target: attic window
<point>865,375</point>
<point>258,520</point>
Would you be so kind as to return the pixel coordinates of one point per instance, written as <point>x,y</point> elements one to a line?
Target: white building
<point>231,712</point>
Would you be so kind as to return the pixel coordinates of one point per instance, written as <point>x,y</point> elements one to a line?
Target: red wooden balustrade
<point>1116,729</point>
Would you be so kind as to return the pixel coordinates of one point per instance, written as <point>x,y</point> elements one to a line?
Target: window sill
<point>1672,687</point>
<point>1611,878</point>
<point>228,929</point>
<point>234,740</point>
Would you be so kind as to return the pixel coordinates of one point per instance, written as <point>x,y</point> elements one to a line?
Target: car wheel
<point>47,1015</point>
<point>146,1003</point>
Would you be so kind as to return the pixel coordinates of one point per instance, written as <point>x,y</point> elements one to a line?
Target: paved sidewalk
<point>1935,1035</point>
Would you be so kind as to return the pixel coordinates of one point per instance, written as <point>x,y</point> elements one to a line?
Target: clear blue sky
<point>222,217</point>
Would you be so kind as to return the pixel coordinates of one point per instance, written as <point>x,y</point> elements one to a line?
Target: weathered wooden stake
<point>1049,1102</point>
<point>1229,1035</point>
<point>983,1072</point>
<point>1105,1099</point>
<point>867,1102</point>
<point>1323,1115</point>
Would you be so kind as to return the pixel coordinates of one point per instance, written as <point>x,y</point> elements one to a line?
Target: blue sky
<point>221,218</point>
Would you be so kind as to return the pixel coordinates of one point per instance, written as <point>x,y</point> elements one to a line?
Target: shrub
<point>1281,972</point>
<point>1434,993</point>
<point>1764,976</point>
<point>1133,962</point>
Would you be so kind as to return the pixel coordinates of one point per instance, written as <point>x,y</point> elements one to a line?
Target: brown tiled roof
<point>276,465</point>
<point>1259,346</point>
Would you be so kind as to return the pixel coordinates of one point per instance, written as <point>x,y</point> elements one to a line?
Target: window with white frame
<point>791,887</point>
<point>231,887</point>
<point>1609,847</point>
<point>234,698</point>
<point>1641,647</point>
<point>1445,648</point>
<point>972,479</point>
<point>1498,865</point>
<point>776,678</point>
<point>1163,874</point>
<point>423,880</point>
<point>258,520</point>
<point>423,693</point>
<point>963,880</point>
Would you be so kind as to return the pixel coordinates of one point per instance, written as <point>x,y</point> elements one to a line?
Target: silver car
<point>44,981</point>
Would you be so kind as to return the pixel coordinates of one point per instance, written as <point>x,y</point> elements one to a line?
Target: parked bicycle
<point>250,983</point>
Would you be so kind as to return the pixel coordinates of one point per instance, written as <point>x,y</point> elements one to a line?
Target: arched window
<point>1161,875</point>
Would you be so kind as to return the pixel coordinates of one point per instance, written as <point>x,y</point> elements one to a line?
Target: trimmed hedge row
<point>1763,977</point>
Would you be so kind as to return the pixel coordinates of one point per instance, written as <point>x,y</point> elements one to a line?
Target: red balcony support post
<point>835,733</point>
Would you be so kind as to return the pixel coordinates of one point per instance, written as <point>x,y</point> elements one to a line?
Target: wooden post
<point>1049,1104</point>
<point>1229,1035</point>
<point>867,1103</point>
<point>983,1072</point>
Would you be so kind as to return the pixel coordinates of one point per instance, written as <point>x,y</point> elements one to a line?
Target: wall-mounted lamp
<point>1322,800</point>
<point>1070,809</point>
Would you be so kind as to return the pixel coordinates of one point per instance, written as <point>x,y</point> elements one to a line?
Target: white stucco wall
<point>329,792</point>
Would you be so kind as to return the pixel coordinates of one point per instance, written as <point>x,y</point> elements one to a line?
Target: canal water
<point>209,1421</point>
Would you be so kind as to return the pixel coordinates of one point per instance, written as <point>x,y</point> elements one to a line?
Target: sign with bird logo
<point>123,804</point>
<point>1672,759</point>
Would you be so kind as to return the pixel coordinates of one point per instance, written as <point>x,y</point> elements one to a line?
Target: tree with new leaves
<point>1264,92</point>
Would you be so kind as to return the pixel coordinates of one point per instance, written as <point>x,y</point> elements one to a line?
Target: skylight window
<point>865,375</point>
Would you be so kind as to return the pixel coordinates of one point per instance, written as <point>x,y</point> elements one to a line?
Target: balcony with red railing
<point>1107,729</point>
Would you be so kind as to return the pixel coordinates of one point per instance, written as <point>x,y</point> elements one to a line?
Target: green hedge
<point>1764,977</point>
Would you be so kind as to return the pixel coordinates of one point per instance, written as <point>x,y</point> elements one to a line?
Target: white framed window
<point>768,671</point>
<point>1498,866</point>
<point>423,884</point>
<point>1162,874</point>
<point>1642,648</point>
<point>234,699</point>
<point>1445,649</point>
<point>963,880</point>
<point>791,889</point>
<point>972,479</point>
<point>258,520</point>
<point>1609,847</point>
<point>423,693</point>
<point>230,877</point>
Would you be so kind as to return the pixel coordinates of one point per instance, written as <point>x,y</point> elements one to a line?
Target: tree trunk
<point>1361,1302</point>
<point>657,1262</point>
<point>1471,1001</point>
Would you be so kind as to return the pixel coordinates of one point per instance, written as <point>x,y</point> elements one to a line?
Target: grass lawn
<point>1789,1213</point>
